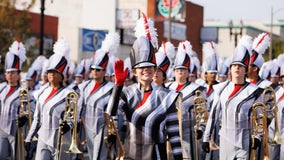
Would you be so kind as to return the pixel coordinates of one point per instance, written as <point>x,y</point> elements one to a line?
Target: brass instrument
<point>259,126</point>
<point>70,114</point>
<point>201,117</point>
<point>24,110</point>
<point>269,99</point>
<point>111,130</point>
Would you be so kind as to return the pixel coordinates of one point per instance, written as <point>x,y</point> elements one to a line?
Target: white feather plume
<point>38,63</point>
<point>209,49</point>
<point>169,48</point>
<point>140,30</point>
<point>246,41</point>
<point>111,43</point>
<point>261,43</point>
<point>18,49</point>
<point>188,48</point>
<point>61,47</point>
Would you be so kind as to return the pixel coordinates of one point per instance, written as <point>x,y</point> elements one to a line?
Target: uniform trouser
<point>274,152</point>
<point>229,151</point>
<point>96,145</point>
<point>46,152</point>
<point>7,146</point>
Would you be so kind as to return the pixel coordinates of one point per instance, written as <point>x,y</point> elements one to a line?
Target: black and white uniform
<point>47,117</point>
<point>9,111</point>
<point>188,117</point>
<point>277,151</point>
<point>235,115</point>
<point>149,124</point>
<point>93,107</point>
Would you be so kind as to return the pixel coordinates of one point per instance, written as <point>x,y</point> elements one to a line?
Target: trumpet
<point>24,110</point>
<point>201,118</point>
<point>259,126</point>
<point>111,130</point>
<point>70,114</point>
<point>269,99</point>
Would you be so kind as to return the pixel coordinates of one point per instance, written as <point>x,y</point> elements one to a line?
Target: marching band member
<point>260,44</point>
<point>271,71</point>
<point>210,70</point>
<point>187,89</point>
<point>195,70</point>
<point>9,99</point>
<point>163,64</point>
<point>80,74</point>
<point>234,103</point>
<point>223,69</point>
<point>94,97</point>
<point>43,75</point>
<point>50,106</point>
<point>276,151</point>
<point>149,109</point>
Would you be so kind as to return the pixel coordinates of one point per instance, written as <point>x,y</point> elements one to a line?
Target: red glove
<point>120,74</point>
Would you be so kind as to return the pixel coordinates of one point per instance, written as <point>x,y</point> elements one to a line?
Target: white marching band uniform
<point>47,117</point>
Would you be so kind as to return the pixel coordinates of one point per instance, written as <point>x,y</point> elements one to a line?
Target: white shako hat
<point>210,62</point>
<point>60,59</point>
<point>145,46</point>
<point>242,52</point>
<point>15,57</point>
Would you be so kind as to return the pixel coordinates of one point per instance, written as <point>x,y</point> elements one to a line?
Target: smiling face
<point>144,74</point>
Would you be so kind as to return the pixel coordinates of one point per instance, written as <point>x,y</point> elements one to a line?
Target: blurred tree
<point>14,25</point>
<point>277,49</point>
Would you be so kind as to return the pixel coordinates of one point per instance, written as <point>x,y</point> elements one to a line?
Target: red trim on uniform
<point>280,98</point>
<point>53,91</point>
<point>95,88</point>
<point>210,90</point>
<point>253,81</point>
<point>236,89</point>
<point>12,88</point>
<point>179,87</point>
<point>146,95</point>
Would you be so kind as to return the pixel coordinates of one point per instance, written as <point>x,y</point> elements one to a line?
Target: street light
<point>236,33</point>
<point>41,27</point>
<point>271,32</point>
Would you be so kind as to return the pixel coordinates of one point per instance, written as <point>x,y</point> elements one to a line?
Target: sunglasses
<point>97,70</point>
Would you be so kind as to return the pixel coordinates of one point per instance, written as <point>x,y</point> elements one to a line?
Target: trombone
<point>201,117</point>
<point>70,114</point>
<point>269,99</point>
<point>259,126</point>
<point>111,130</point>
<point>23,110</point>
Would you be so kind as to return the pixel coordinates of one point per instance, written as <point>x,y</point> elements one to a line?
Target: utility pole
<point>41,27</point>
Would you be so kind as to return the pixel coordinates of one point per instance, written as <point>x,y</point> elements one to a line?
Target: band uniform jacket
<point>235,113</point>
<point>188,116</point>
<point>280,113</point>
<point>93,106</point>
<point>47,116</point>
<point>151,122</point>
<point>9,108</point>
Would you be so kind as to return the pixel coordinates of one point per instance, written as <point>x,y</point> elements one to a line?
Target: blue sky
<point>241,9</point>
